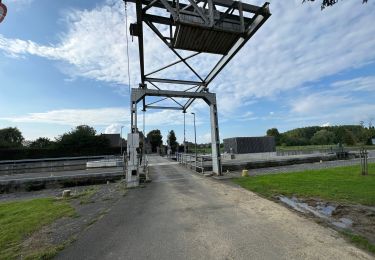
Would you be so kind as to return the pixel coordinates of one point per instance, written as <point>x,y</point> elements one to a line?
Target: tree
<point>10,137</point>
<point>172,141</point>
<point>323,137</point>
<point>327,3</point>
<point>41,142</point>
<point>275,133</point>
<point>349,138</point>
<point>83,137</point>
<point>155,138</point>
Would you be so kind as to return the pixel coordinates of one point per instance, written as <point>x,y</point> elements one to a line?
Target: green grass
<point>20,219</point>
<point>343,184</point>
<point>360,241</point>
<point>318,147</point>
<point>85,195</point>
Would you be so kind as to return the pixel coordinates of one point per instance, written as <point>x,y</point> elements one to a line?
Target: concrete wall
<point>46,165</point>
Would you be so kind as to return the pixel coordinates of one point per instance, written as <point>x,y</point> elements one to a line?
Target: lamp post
<point>195,140</point>
<point>121,138</point>
<point>184,133</point>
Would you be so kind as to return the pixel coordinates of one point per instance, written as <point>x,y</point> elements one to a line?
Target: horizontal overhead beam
<point>224,3</point>
<point>175,81</point>
<point>163,107</point>
<point>138,94</point>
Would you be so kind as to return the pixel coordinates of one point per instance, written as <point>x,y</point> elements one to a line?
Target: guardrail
<point>189,161</point>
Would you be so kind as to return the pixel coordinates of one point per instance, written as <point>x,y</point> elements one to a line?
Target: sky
<point>64,63</point>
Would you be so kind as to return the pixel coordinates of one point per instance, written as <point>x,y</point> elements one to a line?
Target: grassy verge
<point>86,195</point>
<point>21,218</point>
<point>343,184</point>
<point>318,147</point>
<point>359,241</point>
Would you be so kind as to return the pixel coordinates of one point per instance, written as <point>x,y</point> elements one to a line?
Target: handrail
<point>188,160</point>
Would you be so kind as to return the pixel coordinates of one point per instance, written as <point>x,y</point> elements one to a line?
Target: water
<point>321,210</point>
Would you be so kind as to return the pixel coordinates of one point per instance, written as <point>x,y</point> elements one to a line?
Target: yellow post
<point>245,173</point>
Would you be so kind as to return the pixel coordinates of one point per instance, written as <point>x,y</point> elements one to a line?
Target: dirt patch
<point>91,204</point>
<point>349,219</point>
<point>363,218</point>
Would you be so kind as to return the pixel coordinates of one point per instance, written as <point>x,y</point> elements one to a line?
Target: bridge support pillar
<point>215,140</point>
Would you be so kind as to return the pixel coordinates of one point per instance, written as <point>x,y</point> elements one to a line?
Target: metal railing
<point>189,161</point>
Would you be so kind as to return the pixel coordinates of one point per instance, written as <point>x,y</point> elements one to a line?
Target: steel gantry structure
<point>220,27</point>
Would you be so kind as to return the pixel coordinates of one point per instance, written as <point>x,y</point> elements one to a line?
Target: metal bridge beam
<point>139,94</point>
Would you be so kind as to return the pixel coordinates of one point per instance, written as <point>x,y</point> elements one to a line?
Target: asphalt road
<point>183,216</point>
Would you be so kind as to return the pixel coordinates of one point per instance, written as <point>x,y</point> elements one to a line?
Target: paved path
<point>183,216</point>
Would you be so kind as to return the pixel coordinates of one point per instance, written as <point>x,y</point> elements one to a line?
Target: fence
<point>189,161</point>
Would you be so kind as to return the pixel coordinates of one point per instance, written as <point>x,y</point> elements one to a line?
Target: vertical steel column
<point>215,140</point>
<point>140,40</point>
<point>134,128</point>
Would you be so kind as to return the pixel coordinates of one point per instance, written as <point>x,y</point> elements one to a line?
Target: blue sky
<point>63,63</point>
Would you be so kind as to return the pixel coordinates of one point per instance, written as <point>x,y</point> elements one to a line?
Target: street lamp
<point>121,138</point>
<point>195,139</point>
<point>184,133</point>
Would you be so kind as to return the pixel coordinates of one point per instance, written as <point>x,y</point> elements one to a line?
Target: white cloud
<point>94,45</point>
<point>326,124</point>
<point>115,128</point>
<point>319,103</point>
<point>299,44</point>
<point>343,115</point>
<point>356,84</point>
<point>294,47</point>
<point>74,117</point>
<point>206,138</point>
<point>112,117</point>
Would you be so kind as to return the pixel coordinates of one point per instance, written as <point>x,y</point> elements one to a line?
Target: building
<point>241,145</point>
<point>373,141</point>
<point>115,140</point>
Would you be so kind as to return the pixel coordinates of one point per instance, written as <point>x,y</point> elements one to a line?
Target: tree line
<point>327,135</point>
<point>155,138</point>
<point>80,141</point>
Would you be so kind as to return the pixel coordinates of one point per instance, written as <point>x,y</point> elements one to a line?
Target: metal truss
<point>208,16</point>
<point>220,27</point>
